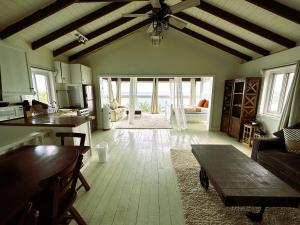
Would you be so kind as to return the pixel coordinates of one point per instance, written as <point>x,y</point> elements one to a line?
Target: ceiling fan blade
<point>155,4</point>
<point>135,15</point>
<point>150,29</point>
<point>183,5</point>
<point>177,22</point>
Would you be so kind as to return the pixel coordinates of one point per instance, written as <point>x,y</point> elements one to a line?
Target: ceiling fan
<point>162,17</point>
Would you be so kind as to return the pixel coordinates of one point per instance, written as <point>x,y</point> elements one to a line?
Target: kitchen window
<point>42,86</point>
<point>279,83</point>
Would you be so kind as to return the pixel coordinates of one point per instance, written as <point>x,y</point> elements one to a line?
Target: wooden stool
<point>62,136</point>
<point>248,133</point>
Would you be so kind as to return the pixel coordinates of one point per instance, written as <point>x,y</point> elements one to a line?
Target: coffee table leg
<point>256,217</point>
<point>203,179</point>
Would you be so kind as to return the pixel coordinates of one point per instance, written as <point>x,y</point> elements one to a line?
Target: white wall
<point>178,54</point>
<point>253,68</point>
<point>41,58</point>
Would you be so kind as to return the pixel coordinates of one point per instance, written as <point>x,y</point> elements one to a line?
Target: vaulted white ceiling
<point>12,11</point>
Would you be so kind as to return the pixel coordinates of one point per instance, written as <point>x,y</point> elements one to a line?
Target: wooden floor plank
<point>138,185</point>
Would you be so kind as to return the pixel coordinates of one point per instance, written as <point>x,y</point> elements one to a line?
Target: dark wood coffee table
<point>240,181</point>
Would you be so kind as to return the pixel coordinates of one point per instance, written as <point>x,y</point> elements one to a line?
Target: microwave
<point>11,112</point>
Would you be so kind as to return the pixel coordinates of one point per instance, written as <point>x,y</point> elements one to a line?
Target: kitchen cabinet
<point>81,74</point>
<point>14,71</point>
<point>62,72</point>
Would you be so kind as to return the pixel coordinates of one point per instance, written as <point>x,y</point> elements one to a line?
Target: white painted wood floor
<point>137,186</point>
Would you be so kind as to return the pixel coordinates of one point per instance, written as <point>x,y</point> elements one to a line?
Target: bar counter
<point>48,121</point>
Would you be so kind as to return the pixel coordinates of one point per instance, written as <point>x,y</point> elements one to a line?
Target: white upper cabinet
<point>14,71</point>
<point>81,74</point>
<point>62,72</point>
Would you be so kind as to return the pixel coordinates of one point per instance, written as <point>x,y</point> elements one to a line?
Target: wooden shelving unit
<point>239,104</point>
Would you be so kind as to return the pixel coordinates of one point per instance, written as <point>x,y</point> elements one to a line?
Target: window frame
<point>46,74</point>
<point>270,79</point>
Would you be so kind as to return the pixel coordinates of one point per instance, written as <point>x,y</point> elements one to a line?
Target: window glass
<point>42,88</point>
<point>104,92</point>
<point>186,92</point>
<point>144,95</point>
<point>114,88</point>
<point>276,93</point>
<point>125,88</point>
<point>280,84</point>
<point>41,85</point>
<point>288,86</point>
<point>198,91</point>
<point>163,95</point>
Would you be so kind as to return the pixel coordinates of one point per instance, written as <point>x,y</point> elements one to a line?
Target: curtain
<point>291,110</point>
<point>154,99</point>
<point>178,104</point>
<point>110,91</point>
<point>193,92</point>
<point>170,110</point>
<point>118,94</point>
<point>132,96</point>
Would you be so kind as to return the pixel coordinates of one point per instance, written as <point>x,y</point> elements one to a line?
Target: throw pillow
<point>201,102</point>
<point>205,105</point>
<point>198,109</point>
<point>280,134</point>
<point>292,140</point>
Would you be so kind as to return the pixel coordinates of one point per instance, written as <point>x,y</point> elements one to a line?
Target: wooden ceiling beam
<point>35,17</point>
<point>278,9</point>
<point>100,31</point>
<point>109,40</point>
<point>87,1</point>
<point>214,43</point>
<point>222,33</point>
<point>246,25</point>
<point>76,24</point>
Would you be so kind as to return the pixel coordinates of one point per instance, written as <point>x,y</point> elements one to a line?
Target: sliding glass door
<point>143,96</point>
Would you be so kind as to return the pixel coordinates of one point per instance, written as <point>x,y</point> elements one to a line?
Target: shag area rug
<point>206,208</point>
<point>146,121</point>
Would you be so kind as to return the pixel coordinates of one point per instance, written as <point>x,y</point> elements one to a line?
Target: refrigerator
<point>89,102</point>
<point>69,96</point>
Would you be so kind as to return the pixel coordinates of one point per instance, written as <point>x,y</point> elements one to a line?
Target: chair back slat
<point>64,135</point>
<point>64,188</point>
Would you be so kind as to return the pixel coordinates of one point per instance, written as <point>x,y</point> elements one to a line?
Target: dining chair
<point>64,195</point>
<point>57,196</point>
<point>28,216</point>
<point>81,136</point>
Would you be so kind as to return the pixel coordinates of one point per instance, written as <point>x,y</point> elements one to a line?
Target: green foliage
<point>144,106</point>
<point>43,97</point>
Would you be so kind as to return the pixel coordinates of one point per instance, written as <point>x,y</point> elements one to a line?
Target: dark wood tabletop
<point>48,121</point>
<point>240,181</point>
<point>22,171</point>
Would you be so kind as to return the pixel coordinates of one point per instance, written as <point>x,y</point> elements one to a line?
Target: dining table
<point>23,173</point>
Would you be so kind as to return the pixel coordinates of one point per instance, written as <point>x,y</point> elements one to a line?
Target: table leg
<point>256,217</point>
<point>203,179</point>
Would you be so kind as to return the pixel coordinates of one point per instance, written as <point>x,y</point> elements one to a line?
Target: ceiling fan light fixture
<point>156,39</point>
<point>165,25</point>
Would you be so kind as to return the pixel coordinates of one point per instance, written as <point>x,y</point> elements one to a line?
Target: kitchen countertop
<point>50,120</point>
